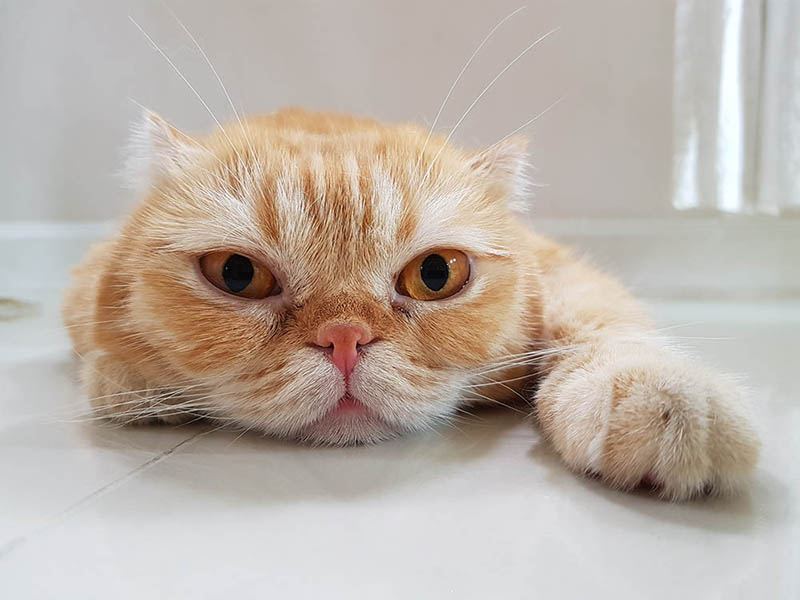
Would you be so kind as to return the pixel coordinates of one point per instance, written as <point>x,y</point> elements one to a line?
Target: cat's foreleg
<point>618,402</point>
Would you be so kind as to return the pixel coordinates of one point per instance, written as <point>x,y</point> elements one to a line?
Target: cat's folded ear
<point>157,149</point>
<point>506,165</point>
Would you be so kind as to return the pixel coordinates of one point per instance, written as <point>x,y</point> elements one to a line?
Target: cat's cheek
<point>196,334</point>
<point>407,397</point>
<point>285,399</point>
<point>466,331</point>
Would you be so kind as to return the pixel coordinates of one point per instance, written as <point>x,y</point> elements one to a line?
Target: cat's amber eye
<point>238,275</point>
<point>434,275</point>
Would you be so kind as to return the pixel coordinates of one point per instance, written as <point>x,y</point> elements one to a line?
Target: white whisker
<point>194,91</point>
<point>217,76</point>
<point>458,78</point>
<point>531,121</point>
<point>483,92</point>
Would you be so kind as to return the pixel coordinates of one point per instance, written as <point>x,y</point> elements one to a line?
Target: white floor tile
<point>92,511</point>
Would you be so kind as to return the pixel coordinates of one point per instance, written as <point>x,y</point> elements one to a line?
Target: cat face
<point>328,279</point>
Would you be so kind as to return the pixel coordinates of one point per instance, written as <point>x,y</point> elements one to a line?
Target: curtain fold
<point>779,152</point>
<point>736,102</point>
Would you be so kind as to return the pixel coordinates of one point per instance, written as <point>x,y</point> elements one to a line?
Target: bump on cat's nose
<point>346,340</point>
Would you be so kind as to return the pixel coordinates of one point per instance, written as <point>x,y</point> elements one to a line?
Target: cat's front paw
<point>642,415</point>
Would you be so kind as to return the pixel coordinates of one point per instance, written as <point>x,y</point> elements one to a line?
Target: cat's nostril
<point>343,334</point>
<point>344,340</point>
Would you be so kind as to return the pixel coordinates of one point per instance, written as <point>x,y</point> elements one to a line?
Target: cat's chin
<point>349,423</point>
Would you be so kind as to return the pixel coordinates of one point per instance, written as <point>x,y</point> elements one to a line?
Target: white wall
<point>67,70</point>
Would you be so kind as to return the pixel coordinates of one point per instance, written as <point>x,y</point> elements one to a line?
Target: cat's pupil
<point>434,271</point>
<point>237,272</point>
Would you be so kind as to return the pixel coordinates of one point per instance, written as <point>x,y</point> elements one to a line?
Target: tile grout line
<point>7,548</point>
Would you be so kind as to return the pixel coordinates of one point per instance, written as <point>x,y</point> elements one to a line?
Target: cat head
<point>329,278</point>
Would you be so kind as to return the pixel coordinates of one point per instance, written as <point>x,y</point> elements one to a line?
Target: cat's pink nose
<point>346,340</point>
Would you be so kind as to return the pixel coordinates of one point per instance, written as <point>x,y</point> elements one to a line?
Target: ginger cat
<point>339,281</point>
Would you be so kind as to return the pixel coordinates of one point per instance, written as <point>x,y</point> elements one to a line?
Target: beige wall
<point>67,70</point>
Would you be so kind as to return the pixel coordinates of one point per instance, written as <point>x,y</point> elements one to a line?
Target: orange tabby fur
<point>336,206</point>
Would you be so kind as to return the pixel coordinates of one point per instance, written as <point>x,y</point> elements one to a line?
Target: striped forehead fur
<point>372,181</point>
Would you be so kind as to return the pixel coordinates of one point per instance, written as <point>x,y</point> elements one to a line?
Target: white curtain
<point>737,105</point>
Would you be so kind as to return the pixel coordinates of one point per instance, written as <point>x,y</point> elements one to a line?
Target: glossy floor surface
<point>482,511</point>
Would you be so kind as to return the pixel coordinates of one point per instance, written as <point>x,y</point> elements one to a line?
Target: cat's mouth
<point>349,421</point>
<point>348,404</point>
